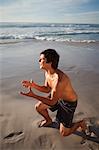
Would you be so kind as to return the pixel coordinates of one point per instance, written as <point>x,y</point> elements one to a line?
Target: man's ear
<point>48,62</point>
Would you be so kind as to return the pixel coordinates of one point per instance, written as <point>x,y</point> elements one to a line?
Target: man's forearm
<point>45,100</point>
<point>40,88</point>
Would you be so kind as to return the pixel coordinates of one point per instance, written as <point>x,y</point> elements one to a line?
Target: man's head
<point>51,56</point>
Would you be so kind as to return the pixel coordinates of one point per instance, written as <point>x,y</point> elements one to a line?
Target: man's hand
<point>30,93</point>
<point>27,84</point>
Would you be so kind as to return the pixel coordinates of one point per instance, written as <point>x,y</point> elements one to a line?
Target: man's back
<point>60,83</point>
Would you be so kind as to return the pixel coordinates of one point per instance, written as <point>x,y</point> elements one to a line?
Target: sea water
<point>49,31</point>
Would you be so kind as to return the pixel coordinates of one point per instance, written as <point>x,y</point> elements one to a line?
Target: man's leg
<point>42,110</point>
<point>67,131</point>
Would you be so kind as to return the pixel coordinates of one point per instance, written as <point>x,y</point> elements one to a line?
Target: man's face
<point>42,61</point>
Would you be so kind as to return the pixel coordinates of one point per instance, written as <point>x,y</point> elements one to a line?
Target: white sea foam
<point>50,32</point>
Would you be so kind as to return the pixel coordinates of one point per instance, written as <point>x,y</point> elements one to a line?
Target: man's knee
<point>38,106</point>
<point>64,131</point>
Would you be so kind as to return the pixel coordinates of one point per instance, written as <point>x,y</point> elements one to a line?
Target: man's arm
<point>45,100</point>
<point>45,88</point>
<point>55,95</point>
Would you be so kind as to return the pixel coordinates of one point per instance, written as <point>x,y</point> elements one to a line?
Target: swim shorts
<point>65,112</point>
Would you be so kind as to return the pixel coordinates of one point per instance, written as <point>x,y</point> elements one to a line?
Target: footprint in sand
<point>43,142</point>
<point>14,137</point>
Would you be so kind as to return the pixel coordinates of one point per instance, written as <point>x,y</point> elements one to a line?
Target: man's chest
<point>51,83</point>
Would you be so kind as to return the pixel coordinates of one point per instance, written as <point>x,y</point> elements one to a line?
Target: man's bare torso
<point>60,83</point>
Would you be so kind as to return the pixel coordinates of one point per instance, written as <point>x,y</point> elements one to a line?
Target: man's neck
<point>51,71</point>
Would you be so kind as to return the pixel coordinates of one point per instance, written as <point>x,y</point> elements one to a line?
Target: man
<point>62,96</point>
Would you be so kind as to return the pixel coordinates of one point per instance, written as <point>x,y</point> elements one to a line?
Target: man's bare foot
<point>44,123</point>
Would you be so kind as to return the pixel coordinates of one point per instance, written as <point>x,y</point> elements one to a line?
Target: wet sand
<point>18,118</point>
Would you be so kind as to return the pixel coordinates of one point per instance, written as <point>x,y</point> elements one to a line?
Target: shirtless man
<point>62,96</point>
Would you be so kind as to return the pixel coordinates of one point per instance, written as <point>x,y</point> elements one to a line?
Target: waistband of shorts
<point>65,101</point>
<point>69,102</point>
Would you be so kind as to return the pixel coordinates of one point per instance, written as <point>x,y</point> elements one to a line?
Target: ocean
<point>49,31</point>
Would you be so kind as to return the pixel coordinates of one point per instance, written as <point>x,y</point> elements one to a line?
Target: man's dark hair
<point>51,56</point>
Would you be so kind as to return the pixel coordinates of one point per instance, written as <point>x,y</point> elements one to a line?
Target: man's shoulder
<point>63,74</point>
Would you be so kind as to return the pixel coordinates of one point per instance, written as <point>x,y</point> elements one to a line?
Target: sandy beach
<point>18,118</point>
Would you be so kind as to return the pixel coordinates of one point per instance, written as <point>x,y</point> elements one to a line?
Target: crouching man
<point>62,96</point>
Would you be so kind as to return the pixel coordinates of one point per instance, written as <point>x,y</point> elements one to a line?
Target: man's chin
<point>41,67</point>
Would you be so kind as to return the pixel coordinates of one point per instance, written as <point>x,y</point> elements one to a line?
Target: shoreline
<point>12,41</point>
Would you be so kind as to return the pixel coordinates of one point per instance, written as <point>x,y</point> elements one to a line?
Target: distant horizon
<point>45,22</point>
